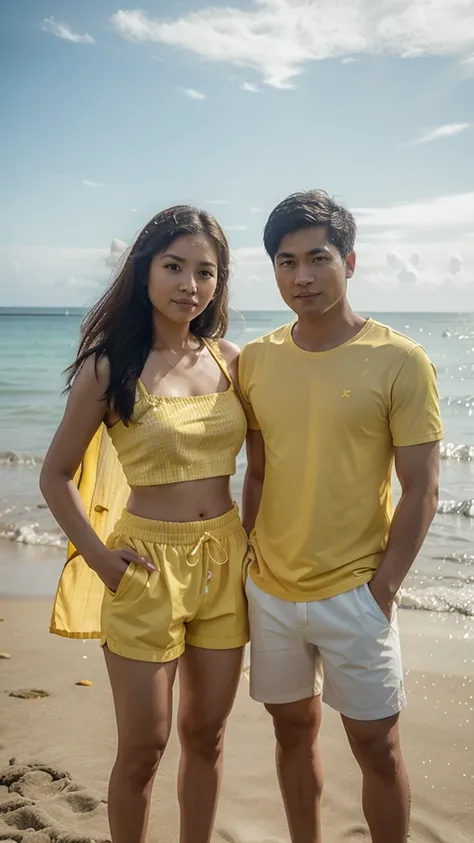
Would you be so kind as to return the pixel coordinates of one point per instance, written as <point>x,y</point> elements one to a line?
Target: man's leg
<point>299,766</point>
<point>285,675</point>
<point>385,791</point>
<point>363,681</point>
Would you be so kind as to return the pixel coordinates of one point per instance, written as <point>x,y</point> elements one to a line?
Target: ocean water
<point>36,345</point>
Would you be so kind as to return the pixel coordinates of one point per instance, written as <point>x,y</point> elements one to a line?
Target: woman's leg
<point>208,681</point>
<point>142,694</point>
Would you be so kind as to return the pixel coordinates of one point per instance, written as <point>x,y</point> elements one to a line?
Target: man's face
<point>310,272</point>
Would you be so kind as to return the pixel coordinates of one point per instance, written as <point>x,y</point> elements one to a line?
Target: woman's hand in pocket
<point>112,564</point>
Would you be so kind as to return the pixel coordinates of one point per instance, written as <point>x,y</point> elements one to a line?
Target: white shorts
<point>343,647</point>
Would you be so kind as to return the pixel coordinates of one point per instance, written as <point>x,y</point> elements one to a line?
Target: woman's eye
<point>172,266</point>
<point>205,273</point>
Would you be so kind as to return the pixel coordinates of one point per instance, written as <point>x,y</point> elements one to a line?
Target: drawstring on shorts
<point>194,556</point>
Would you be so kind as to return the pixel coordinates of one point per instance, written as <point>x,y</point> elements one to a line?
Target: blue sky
<point>111,113</point>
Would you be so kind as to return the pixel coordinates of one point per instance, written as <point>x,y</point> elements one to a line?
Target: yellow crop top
<point>175,439</point>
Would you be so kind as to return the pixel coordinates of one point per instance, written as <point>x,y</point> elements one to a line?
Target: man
<point>332,401</point>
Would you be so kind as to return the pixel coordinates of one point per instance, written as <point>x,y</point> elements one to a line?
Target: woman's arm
<point>85,411</point>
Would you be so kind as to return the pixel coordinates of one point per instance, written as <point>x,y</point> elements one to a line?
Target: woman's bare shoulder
<point>229,351</point>
<point>94,372</point>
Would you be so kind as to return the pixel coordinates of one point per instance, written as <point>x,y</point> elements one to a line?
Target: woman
<point>153,367</point>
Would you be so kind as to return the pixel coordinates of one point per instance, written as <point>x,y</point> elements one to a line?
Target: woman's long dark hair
<point>120,326</point>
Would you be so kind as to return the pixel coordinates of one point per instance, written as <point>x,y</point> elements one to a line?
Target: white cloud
<point>392,235</point>
<point>52,275</point>
<point>64,31</point>
<point>446,131</point>
<point>256,210</point>
<point>467,64</point>
<point>277,38</point>
<point>349,60</point>
<point>441,212</point>
<point>77,283</point>
<point>134,210</point>
<point>250,88</point>
<point>89,183</point>
<point>430,273</point>
<point>117,249</point>
<point>193,94</point>
<point>255,255</point>
<point>455,265</point>
<point>217,202</point>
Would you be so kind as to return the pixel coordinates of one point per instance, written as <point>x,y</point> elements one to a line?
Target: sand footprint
<point>29,694</point>
<point>39,784</point>
<point>39,804</point>
<point>81,803</point>
<point>357,832</point>
<point>248,836</point>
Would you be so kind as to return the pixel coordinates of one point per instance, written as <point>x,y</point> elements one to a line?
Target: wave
<point>32,534</point>
<point>466,402</point>
<point>462,453</point>
<point>458,335</point>
<point>457,558</point>
<point>459,601</point>
<point>452,594</point>
<point>14,458</point>
<point>449,451</point>
<point>465,508</point>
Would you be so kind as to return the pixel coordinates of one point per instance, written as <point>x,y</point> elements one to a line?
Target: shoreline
<point>29,571</point>
<point>32,571</point>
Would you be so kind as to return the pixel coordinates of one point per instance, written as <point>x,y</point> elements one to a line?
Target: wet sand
<point>56,751</point>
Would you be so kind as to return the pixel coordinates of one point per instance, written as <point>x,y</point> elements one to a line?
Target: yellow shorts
<point>196,595</point>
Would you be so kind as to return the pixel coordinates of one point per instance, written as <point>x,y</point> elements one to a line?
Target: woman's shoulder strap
<point>215,350</point>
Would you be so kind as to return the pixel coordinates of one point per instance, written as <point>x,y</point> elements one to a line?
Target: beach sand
<point>56,752</point>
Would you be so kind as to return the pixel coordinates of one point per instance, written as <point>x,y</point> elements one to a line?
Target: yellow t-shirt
<point>330,421</point>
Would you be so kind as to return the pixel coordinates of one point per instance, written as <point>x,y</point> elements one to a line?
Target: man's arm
<point>254,478</point>
<point>417,468</point>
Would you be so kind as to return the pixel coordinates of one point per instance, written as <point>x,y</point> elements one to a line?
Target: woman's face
<point>183,279</point>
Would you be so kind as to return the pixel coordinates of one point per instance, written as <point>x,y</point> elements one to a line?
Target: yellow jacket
<point>104,492</point>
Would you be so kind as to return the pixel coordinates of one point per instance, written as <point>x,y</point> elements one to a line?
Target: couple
<point>159,407</point>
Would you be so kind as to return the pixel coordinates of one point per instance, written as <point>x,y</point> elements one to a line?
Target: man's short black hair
<point>305,209</point>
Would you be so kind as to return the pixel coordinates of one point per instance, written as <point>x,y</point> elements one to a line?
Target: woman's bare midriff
<point>196,500</point>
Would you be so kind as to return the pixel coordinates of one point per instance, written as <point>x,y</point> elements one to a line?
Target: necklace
<point>178,356</point>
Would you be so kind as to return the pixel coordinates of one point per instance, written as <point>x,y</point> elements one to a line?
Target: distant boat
<point>66,312</point>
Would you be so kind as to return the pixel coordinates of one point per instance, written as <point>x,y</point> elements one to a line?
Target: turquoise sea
<point>37,344</point>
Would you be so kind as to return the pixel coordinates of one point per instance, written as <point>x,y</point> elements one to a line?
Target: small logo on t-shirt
<point>346,393</point>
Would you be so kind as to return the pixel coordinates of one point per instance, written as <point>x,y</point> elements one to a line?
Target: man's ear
<point>350,264</point>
